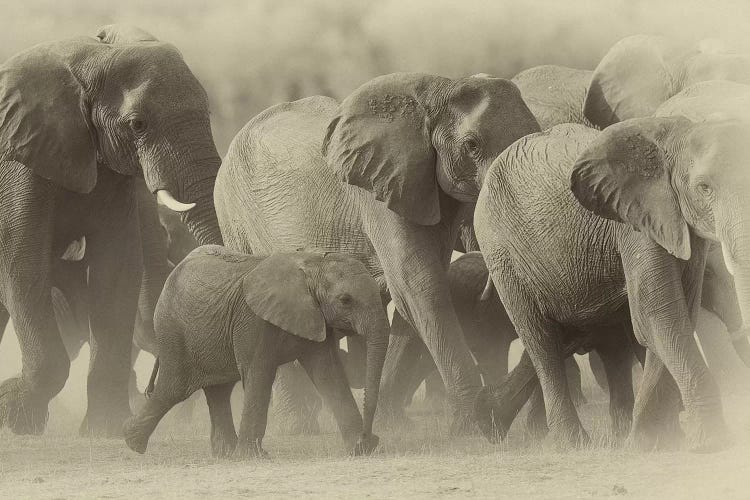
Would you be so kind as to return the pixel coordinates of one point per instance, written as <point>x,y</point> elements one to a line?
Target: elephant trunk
<point>735,247</point>
<point>183,174</point>
<point>377,345</point>
<point>201,220</point>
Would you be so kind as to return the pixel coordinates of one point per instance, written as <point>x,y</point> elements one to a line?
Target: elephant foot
<point>564,438</point>
<point>135,438</point>
<point>106,422</point>
<point>464,425</point>
<point>252,449</point>
<point>393,419</point>
<point>365,445</point>
<point>708,435</point>
<point>535,428</point>
<point>20,410</point>
<point>223,446</point>
<point>651,436</point>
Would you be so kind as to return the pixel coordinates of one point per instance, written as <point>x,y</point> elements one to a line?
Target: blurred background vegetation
<point>250,54</point>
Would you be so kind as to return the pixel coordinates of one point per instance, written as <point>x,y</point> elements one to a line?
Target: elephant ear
<point>380,141</point>
<point>625,175</point>
<point>124,33</point>
<point>631,81</point>
<point>277,291</point>
<point>45,119</point>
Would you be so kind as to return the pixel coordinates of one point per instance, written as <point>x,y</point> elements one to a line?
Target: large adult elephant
<point>557,95</point>
<point>672,185</point>
<point>641,72</point>
<point>79,119</point>
<point>388,175</point>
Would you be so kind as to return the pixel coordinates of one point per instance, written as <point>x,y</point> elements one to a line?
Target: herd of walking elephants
<point>597,211</point>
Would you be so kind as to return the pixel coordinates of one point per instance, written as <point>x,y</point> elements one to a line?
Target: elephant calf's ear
<point>380,141</point>
<point>277,291</point>
<point>44,119</point>
<point>625,175</point>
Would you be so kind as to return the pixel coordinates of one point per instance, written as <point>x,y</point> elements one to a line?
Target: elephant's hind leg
<point>223,435</point>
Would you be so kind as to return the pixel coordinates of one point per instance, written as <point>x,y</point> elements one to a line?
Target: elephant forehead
<point>717,146</point>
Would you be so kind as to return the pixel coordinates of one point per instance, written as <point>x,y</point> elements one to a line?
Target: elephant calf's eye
<point>346,299</point>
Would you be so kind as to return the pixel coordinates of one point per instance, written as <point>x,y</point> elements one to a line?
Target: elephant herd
<point>597,212</point>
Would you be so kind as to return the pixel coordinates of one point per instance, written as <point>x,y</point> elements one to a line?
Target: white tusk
<point>75,251</point>
<point>166,199</point>
<point>727,259</point>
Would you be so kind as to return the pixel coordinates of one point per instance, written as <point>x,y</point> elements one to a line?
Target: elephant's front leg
<point>295,403</point>
<point>415,260</point>
<point>26,230</point>
<point>324,367</point>
<point>114,281</point>
<point>664,294</point>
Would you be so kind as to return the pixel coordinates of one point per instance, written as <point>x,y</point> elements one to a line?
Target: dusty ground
<point>421,463</point>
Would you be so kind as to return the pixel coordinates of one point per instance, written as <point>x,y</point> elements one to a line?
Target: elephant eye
<point>472,147</point>
<point>704,189</point>
<point>346,299</point>
<point>138,126</point>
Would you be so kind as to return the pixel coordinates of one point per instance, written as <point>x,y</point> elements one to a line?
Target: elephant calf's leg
<point>223,435</point>
<point>327,373</point>
<point>257,380</point>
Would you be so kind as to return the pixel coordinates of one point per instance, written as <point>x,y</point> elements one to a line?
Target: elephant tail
<point>152,380</point>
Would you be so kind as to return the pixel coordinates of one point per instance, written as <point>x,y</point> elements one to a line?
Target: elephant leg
<point>618,366</point>
<point>497,406</point>
<point>597,368</point>
<point>536,417</point>
<point>399,373</point>
<point>493,361</point>
<point>327,373</point>
<point>4,320</point>
<point>664,297</point>
<point>171,388</point>
<point>223,435</point>
<point>434,390</point>
<point>25,272</point>
<point>257,381</point>
<point>543,343</point>
<point>656,422</point>
<point>573,372</point>
<point>415,261</point>
<point>296,403</point>
<point>115,259</point>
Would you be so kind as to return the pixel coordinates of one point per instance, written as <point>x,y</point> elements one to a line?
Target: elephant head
<point>68,108</point>
<point>307,293</point>
<point>669,177</point>
<point>404,136</point>
<point>640,72</point>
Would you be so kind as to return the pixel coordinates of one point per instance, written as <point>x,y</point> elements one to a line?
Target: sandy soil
<point>422,463</point>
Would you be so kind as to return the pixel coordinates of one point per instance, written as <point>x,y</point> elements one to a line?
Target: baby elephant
<point>225,316</point>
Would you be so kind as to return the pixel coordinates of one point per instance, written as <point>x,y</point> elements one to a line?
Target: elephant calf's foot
<point>20,410</point>
<point>365,445</point>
